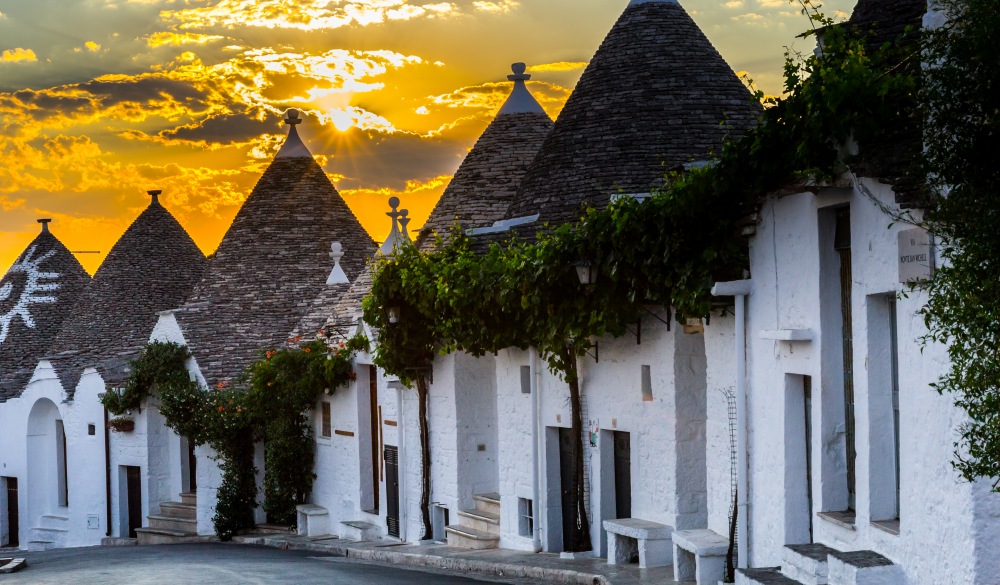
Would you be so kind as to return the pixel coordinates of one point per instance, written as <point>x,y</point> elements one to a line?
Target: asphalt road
<point>213,564</point>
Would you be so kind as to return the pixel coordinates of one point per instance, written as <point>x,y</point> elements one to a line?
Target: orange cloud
<point>302,14</point>
<point>557,67</point>
<point>18,55</point>
<point>176,39</point>
<point>490,96</point>
<point>502,7</point>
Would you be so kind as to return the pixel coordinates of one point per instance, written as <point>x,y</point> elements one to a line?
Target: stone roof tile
<point>36,295</point>
<point>656,93</point>
<point>152,267</point>
<point>486,182</point>
<point>271,266</point>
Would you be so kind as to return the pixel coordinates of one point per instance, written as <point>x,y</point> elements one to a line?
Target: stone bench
<point>630,536</point>
<point>700,556</point>
<point>313,520</point>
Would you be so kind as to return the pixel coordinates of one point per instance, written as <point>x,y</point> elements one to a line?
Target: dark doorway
<point>392,490</point>
<point>842,243</point>
<point>807,395</point>
<point>623,474</point>
<point>567,473</point>
<point>192,468</point>
<point>374,427</point>
<point>13,526</point>
<point>133,482</point>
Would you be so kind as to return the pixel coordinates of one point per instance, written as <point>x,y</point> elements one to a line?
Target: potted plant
<point>121,424</point>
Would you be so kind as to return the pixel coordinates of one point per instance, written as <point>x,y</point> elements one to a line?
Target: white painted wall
<point>33,460</point>
<point>613,402</point>
<point>795,287</point>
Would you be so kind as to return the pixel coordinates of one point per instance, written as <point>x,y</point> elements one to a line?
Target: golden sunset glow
<point>101,101</point>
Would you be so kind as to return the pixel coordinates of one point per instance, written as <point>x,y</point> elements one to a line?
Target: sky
<point>102,100</point>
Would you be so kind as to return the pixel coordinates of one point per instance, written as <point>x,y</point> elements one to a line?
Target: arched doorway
<point>47,487</point>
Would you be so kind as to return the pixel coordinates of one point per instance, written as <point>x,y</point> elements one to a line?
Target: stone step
<point>806,563</point>
<point>170,523</point>
<point>482,521</point>
<point>766,576</point>
<point>189,498</point>
<point>53,521</point>
<point>359,530</point>
<point>864,567</point>
<point>179,510</point>
<point>489,503</point>
<point>147,536</point>
<point>12,565</point>
<point>52,531</point>
<point>272,529</point>
<point>39,545</point>
<point>465,537</point>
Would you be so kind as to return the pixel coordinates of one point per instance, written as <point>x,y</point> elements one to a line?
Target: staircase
<point>817,564</point>
<point>478,528</point>
<point>51,532</point>
<point>177,522</point>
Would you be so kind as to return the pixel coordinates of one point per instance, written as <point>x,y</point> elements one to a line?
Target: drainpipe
<point>740,289</point>
<point>536,421</point>
<point>107,476</point>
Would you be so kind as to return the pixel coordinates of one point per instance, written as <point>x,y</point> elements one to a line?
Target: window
<point>526,517</point>
<point>894,351</point>
<point>326,429</point>
<point>647,384</point>
<point>525,379</point>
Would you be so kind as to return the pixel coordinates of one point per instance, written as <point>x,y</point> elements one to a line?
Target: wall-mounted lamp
<point>586,272</point>
<point>394,314</point>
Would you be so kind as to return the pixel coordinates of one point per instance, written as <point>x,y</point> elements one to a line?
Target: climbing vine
<point>268,403</point>
<point>665,250</point>
<point>962,135</point>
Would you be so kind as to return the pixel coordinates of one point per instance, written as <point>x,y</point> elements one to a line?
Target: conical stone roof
<point>486,182</point>
<point>272,263</point>
<point>655,96</point>
<point>153,267</point>
<point>36,296</point>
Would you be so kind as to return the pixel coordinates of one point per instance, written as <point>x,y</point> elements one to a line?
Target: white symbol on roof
<point>34,285</point>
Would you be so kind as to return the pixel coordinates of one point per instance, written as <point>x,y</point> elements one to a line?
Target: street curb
<point>497,569</point>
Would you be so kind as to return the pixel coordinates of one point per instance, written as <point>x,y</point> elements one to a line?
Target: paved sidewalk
<point>499,563</point>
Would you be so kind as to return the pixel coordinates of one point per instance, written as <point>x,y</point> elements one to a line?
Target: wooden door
<point>392,490</point>
<point>623,475</point>
<point>13,525</point>
<point>192,469</point>
<point>133,481</point>
<point>567,472</point>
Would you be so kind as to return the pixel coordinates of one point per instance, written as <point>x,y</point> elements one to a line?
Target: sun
<point>34,285</point>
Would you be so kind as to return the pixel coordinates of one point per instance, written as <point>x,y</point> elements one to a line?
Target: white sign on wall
<point>916,255</point>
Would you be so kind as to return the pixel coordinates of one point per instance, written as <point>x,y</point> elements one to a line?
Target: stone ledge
<point>311,510</point>
<point>639,529</point>
<point>702,542</point>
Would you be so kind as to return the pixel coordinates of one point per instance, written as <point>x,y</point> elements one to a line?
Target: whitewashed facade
<point>938,528</point>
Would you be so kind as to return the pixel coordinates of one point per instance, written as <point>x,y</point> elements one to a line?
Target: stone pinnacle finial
<point>519,75</point>
<point>338,276</point>
<point>292,117</point>
<point>155,195</point>
<point>45,224</point>
<point>520,100</point>
<point>396,235</point>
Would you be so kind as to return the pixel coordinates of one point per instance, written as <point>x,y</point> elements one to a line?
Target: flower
<point>308,350</point>
<point>221,409</point>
